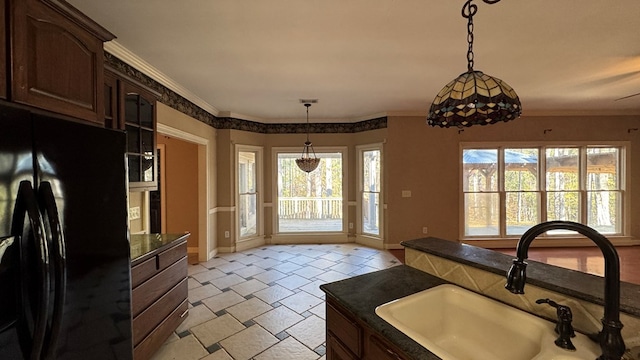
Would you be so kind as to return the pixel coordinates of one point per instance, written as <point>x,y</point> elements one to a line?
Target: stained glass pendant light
<point>308,160</point>
<point>474,98</point>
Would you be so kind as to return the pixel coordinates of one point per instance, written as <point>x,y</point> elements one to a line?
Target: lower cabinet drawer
<point>147,347</point>
<point>349,332</point>
<point>144,323</point>
<point>152,289</point>
<point>143,271</point>
<point>335,350</point>
<point>379,350</point>
<point>172,255</point>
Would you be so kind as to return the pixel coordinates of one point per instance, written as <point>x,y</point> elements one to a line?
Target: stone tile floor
<point>265,303</point>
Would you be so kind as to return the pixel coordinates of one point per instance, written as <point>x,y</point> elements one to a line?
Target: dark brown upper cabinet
<point>3,49</point>
<point>131,106</point>
<point>56,58</point>
<point>112,93</point>
<point>140,125</point>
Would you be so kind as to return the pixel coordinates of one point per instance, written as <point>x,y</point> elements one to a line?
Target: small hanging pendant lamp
<point>308,160</point>
<point>474,98</point>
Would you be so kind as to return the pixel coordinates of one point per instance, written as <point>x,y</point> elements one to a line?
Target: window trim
<point>502,239</point>
<point>258,150</point>
<point>338,236</point>
<point>360,149</point>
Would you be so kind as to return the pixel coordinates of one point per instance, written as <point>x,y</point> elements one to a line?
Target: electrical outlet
<point>425,230</point>
<point>134,213</point>
<point>350,225</point>
<point>406,193</point>
<point>227,234</point>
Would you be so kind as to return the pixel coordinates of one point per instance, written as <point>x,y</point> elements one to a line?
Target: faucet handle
<point>564,329</point>
<point>516,277</point>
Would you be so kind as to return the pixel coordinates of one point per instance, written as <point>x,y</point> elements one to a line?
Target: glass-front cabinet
<point>140,124</point>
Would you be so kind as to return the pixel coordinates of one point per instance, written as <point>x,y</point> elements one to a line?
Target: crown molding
<point>124,54</point>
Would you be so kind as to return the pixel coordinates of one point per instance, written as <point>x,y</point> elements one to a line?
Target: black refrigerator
<point>64,248</point>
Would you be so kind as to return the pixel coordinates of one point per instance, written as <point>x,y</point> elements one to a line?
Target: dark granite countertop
<point>362,294</point>
<point>569,282</point>
<point>144,244</point>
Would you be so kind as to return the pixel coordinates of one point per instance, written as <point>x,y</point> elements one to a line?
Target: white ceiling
<point>254,59</point>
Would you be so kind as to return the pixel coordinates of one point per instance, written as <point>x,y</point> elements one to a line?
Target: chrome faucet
<point>610,338</point>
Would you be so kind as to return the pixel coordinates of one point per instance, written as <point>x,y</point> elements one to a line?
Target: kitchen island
<point>158,289</point>
<point>354,331</point>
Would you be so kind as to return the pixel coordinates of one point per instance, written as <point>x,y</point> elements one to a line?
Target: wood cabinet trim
<point>28,86</point>
<point>148,320</point>
<point>143,271</point>
<point>80,19</point>
<point>177,242</point>
<point>336,350</point>
<point>128,79</point>
<point>152,289</point>
<point>4,62</point>
<point>345,329</point>
<point>153,341</point>
<point>370,344</point>
<point>159,295</point>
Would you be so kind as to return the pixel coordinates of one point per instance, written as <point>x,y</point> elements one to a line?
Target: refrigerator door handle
<point>59,259</point>
<point>31,340</point>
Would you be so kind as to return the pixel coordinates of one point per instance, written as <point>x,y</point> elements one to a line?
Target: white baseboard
<point>228,249</point>
<point>250,243</point>
<point>393,247</point>
<point>310,239</point>
<point>370,242</point>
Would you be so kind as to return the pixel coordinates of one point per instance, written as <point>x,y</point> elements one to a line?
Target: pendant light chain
<point>307,105</point>
<point>468,10</point>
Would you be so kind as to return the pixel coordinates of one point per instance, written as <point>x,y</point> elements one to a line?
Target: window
<point>508,189</point>
<point>370,187</point>
<point>248,190</point>
<point>310,202</point>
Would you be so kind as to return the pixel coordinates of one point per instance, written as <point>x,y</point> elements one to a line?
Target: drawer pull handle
<point>392,353</point>
<point>184,313</point>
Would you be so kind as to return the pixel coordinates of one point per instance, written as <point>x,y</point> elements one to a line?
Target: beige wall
<point>181,186</point>
<point>227,139</point>
<point>426,160</point>
<point>418,158</point>
<point>205,138</point>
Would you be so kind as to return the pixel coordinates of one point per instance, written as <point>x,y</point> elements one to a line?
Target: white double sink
<point>458,324</point>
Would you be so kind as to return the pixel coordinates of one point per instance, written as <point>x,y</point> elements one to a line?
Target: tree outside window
<point>504,195</point>
<point>310,202</point>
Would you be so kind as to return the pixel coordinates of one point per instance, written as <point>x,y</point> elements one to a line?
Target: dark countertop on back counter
<point>144,244</point>
<point>569,282</point>
<point>362,294</point>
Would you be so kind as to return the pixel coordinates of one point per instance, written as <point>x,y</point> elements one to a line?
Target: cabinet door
<point>379,350</point>
<point>56,64</point>
<point>112,117</point>
<point>3,49</point>
<point>335,350</point>
<point>140,124</point>
<point>345,328</point>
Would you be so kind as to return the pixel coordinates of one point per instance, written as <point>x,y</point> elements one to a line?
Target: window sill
<point>497,243</point>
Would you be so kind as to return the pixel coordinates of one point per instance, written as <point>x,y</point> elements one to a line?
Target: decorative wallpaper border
<point>177,102</point>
